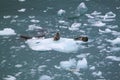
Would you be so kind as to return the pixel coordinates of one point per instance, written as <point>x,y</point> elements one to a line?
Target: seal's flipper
<point>25,37</point>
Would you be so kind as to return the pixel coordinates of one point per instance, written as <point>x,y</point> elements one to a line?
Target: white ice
<point>74,65</point>
<point>81,9</point>
<point>33,27</point>
<point>22,10</point>
<point>9,77</point>
<point>7,31</point>
<point>114,41</point>
<point>45,77</point>
<point>67,65</point>
<point>63,45</point>
<point>21,0</point>
<point>114,58</point>
<point>61,12</point>
<point>75,26</point>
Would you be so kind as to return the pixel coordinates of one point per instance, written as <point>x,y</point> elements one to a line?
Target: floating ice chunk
<point>75,26</point>
<point>95,13</point>
<point>73,65</point>
<point>115,41</point>
<point>109,15</point>
<point>67,65</point>
<point>33,27</point>
<point>89,16</point>
<point>7,31</point>
<point>9,77</point>
<point>81,64</point>
<point>34,21</point>
<point>106,30</point>
<point>22,10</point>
<point>81,9</point>
<point>92,68</point>
<point>114,58</point>
<point>21,0</point>
<point>97,74</point>
<point>113,49</point>
<point>18,65</point>
<point>61,12</point>
<point>41,68</point>
<point>45,77</point>
<point>98,24</point>
<point>6,17</point>
<point>63,45</point>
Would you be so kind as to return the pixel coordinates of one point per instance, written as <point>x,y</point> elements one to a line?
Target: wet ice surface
<point>98,59</point>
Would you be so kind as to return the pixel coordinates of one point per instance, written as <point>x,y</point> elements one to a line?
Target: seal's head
<point>85,39</point>
<point>56,36</point>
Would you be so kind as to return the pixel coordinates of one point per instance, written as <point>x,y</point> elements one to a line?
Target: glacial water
<point>97,59</point>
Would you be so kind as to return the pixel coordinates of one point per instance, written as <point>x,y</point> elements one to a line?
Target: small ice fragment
<point>81,9</point>
<point>45,77</point>
<point>21,0</point>
<point>34,21</point>
<point>33,27</point>
<point>22,10</point>
<point>115,41</point>
<point>9,77</point>
<point>89,16</point>
<point>81,64</point>
<point>92,68</point>
<point>7,31</point>
<point>18,65</point>
<point>75,26</point>
<point>67,65</point>
<point>6,17</point>
<point>97,74</point>
<point>96,13</point>
<point>61,12</point>
<point>41,68</point>
<point>114,58</point>
<point>98,24</point>
<point>109,15</point>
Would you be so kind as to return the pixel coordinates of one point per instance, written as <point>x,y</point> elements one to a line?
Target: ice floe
<point>61,12</point>
<point>7,31</point>
<point>45,77</point>
<point>74,65</point>
<point>114,41</point>
<point>63,45</point>
<point>75,26</point>
<point>9,77</point>
<point>114,58</point>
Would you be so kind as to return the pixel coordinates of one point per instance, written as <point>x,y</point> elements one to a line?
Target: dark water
<point>19,61</point>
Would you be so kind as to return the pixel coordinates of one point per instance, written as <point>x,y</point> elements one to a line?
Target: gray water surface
<point>22,63</point>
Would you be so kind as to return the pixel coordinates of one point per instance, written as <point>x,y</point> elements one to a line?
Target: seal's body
<point>56,36</point>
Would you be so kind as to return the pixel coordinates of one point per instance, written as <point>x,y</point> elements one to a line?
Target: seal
<point>85,39</point>
<point>56,36</point>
